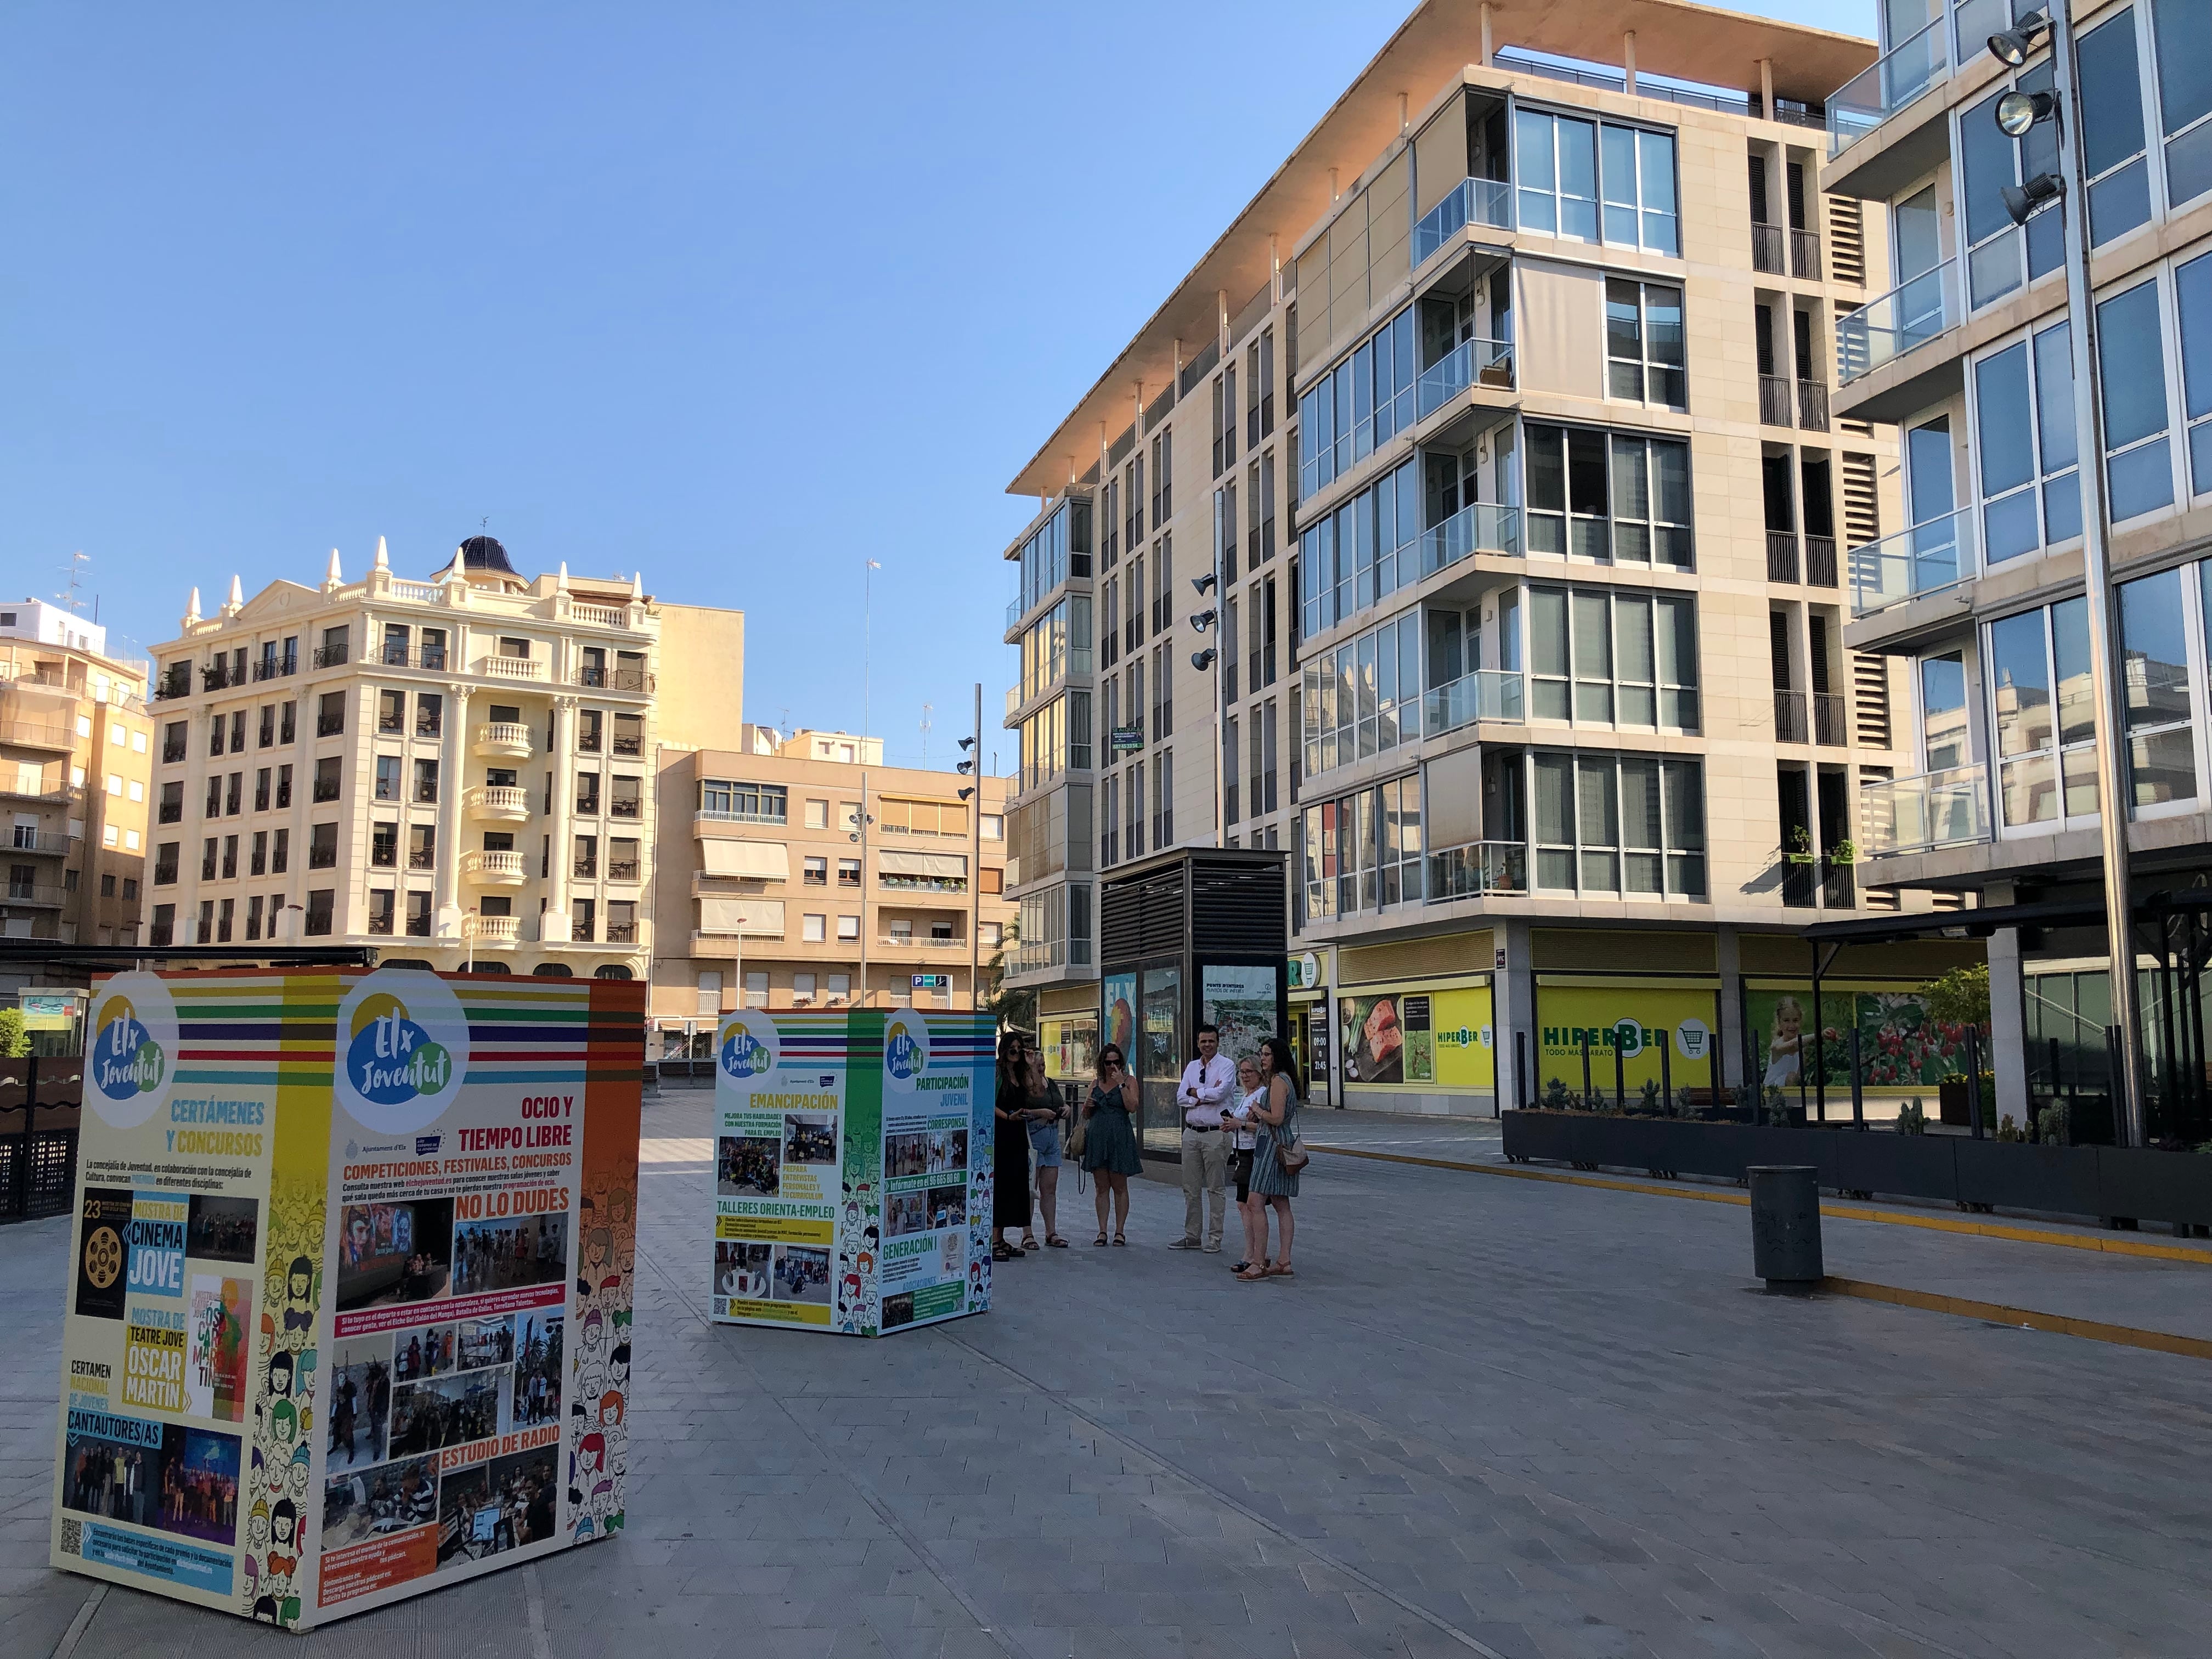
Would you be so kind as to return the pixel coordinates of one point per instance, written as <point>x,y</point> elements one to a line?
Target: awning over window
<point>732,916</point>
<point>923,863</point>
<point>761,860</point>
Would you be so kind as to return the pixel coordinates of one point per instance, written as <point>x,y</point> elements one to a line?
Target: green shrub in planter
<point>1913,1118</point>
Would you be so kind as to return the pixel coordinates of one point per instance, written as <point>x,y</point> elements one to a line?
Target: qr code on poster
<point>72,1536</point>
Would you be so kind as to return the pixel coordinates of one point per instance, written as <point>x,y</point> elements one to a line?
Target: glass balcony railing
<point>1476,202</point>
<point>1478,528</point>
<point>1925,559</point>
<point>1910,315</point>
<point>1013,611</point>
<point>1481,869</point>
<point>1887,86</point>
<point>1488,694</point>
<point>1487,363</point>
<point>1937,809</point>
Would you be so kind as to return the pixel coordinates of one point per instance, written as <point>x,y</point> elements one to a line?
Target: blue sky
<point>741,297</point>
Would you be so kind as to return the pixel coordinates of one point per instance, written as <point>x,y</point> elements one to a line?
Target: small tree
<point>15,1041</point>
<point>1961,997</point>
<point>1013,1009</point>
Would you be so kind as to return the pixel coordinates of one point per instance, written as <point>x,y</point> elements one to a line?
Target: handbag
<point>1291,1154</point>
<point>1078,1133</point>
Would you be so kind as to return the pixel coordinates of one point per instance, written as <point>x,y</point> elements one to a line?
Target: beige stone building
<point>76,764</point>
<point>1467,525</point>
<point>800,871</point>
<point>1976,594</point>
<point>452,769</point>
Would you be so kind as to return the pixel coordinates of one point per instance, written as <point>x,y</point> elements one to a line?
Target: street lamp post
<point>2016,112</point>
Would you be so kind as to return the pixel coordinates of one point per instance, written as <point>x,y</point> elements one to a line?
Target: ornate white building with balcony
<point>451,769</point>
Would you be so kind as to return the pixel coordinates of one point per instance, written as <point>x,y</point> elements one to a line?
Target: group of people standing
<point>1234,1117</point>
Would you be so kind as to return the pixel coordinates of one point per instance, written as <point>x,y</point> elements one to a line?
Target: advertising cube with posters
<point>852,1169</point>
<point>349,1318</point>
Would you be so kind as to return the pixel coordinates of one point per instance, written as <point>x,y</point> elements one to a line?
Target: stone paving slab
<point>1488,1417</point>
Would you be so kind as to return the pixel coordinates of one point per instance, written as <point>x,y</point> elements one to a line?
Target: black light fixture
<point>965,767</point>
<point>1201,583</point>
<point>967,742</point>
<point>2022,201</point>
<point>1202,660</point>
<point>1203,619</point>
<point>2019,111</point>
<point>2011,46</point>
<point>968,791</point>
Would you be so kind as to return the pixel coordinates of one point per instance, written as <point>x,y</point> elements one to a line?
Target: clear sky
<point>741,296</point>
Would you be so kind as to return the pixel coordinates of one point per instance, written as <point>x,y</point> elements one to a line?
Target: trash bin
<point>1785,1226</point>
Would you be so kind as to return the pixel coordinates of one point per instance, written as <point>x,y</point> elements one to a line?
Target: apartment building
<point>800,872</point>
<point>1465,526</point>
<point>1978,593</point>
<point>455,769</point>
<point>75,769</point>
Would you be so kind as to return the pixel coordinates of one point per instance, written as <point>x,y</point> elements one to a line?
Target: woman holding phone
<point>1109,1144</point>
<point>1273,1186</point>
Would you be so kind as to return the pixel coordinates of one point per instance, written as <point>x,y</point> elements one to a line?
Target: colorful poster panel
<point>1901,1046</point>
<point>1632,1019</point>
<point>935,1106</point>
<point>780,1102</point>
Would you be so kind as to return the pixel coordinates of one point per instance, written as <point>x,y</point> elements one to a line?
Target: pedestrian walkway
<point>1489,1417</point>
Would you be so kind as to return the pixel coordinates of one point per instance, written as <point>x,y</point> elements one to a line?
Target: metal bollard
<point>1785,1226</point>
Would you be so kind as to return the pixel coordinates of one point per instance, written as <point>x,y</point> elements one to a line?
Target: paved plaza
<point>1489,1417</point>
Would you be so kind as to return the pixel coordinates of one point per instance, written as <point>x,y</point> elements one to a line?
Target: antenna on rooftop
<point>927,708</point>
<point>73,569</point>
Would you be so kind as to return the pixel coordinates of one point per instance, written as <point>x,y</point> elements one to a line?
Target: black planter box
<point>2153,1185</point>
<point>2020,1176</point>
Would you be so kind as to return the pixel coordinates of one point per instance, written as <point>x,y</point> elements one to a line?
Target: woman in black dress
<point>1109,1142</point>
<point>1010,1147</point>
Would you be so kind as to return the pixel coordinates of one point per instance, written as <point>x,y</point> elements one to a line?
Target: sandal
<point>1101,1239</point>
<point>1055,1242</point>
<point>1118,1240</point>
<point>1280,1272</point>
<point>1001,1253</point>
<point>1253,1275</point>
<point>1029,1241</point>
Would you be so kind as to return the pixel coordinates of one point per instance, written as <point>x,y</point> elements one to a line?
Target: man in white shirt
<point>1203,1096</point>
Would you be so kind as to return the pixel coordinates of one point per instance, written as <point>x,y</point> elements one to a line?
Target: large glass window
<point>2131,363</point>
<point>1945,740</point>
<point>1616,497</point>
<point>1057,644</point>
<point>757,803</point>
<point>2154,686</point>
<point>1988,163</point>
<point>1364,696</point>
<point>1362,552</point>
<point>1599,657</point>
<point>2024,415</point>
<point>2112,129</point>
<point>1619,823</point>
<point>1359,406</point>
<point>1060,547</point>
<point>2042,715</point>
<point>1591,182</point>
<point>2192,299</point>
<point>1644,361</point>
<point>1363,850</point>
<point>2184,96</point>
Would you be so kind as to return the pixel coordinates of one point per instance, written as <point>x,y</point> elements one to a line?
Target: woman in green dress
<point>1271,1184</point>
<point>1109,1138</point>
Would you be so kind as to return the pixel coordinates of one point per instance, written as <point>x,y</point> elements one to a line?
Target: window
<point>1365,550</point>
<point>2192,299</point>
<point>621,858</point>
<point>629,735</point>
<point>1055,738</point>
<point>391,711</point>
<point>214,805</point>
<point>253,917</point>
<point>582,914</point>
<point>1059,547</point>
<point>320,903</point>
<point>1359,406</point>
<point>625,797</point>
<point>1644,343</point>
<point>329,715</point>
<point>848,872</point>
<point>106,886</point>
<point>284,787</point>
<point>173,738</point>
<point>426,781</point>
<point>382,908</point>
<point>430,714</point>
<point>164,929</point>
<point>135,791</point>
<point>2041,749</point>
<point>395,645</point>
<point>268,734</point>
<point>388,777</point>
<point>322,846</point>
<point>1599,657</point>
<point>817,815</point>
<point>383,848</point>
<point>1613,497</point>
<point>1989,163</point>
<point>258,859</point>
<point>230,858</point>
<point>2132,362</point>
<point>2112,129</point>
<point>2024,415</point>
<point>418,912</point>
<point>815,872</point>
<point>622,922</point>
<point>848,929</point>
<point>214,734</point>
<point>237,732</point>
<point>207,858</point>
<point>1576,177</point>
<point>165,864</point>
<point>840,987</point>
<point>1619,823</point>
<point>587,793</point>
<point>750,803</point>
<point>280,852</point>
<point>992,826</point>
<point>287,722</point>
<point>421,846</point>
<point>171,807</point>
<point>1362,698</point>
<point>2155,678</point>
<point>515,650</point>
<point>1055,645</point>
<point>2184,96</point>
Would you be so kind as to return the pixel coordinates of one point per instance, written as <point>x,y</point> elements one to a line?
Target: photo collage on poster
<point>779,1122</point>
<point>931,1212</point>
<point>150,1442</point>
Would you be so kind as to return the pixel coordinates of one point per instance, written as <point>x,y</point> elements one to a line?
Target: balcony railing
<point>1475,202</point>
<point>500,800</point>
<point>1014,612</point>
<point>600,615</point>
<point>1788,716</point>
<point>624,806</point>
<point>1479,869</point>
<point>332,656</point>
<point>1820,561</point>
<point>1801,886</point>
<point>615,679</point>
<point>510,668</point>
<point>177,683</point>
<point>1936,809</point>
<point>269,668</point>
<point>724,815</point>
<point>1035,958</point>
<point>34,892</point>
<point>1488,694</point>
<point>1812,405</point>
<point>1915,312</point>
<point>1486,363</point>
<point>1782,556</point>
<point>918,942</point>
<point>496,866</point>
<point>1925,559</point>
<point>622,932</point>
<point>1775,406</point>
<point>28,840</point>
<point>502,737</point>
<point>622,869</point>
<point>1805,254</point>
<point>1830,724</point>
<point>1478,528</point>
<point>1766,249</point>
<point>495,930</point>
<point>1887,86</point>
<point>1838,889</point>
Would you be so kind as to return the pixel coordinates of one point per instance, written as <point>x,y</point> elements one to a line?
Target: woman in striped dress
<point>1271,1182</point>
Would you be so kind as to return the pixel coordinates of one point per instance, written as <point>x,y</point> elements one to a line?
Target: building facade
<point>800,871</point>
<point>76,764</point>
<point>455,771</point>
<point>1465,526</point>
<point>1977,595</point>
